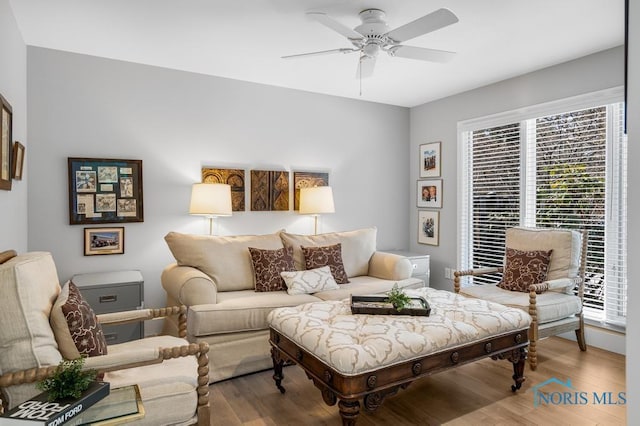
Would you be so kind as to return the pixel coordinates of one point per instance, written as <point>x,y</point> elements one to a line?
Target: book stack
<point>39,411</point>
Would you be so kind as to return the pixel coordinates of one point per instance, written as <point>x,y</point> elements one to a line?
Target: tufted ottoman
<point>368,357</point>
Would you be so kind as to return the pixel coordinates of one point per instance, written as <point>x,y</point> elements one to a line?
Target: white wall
<point>13,86</point>
<point>437,121</point>
<point>633,239</point>
<point>176,122</point>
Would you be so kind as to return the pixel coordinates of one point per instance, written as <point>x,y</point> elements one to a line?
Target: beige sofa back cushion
<point>566,245</point>
<point>225,259</point>
<point>357,248</point>
<point>28,287</point>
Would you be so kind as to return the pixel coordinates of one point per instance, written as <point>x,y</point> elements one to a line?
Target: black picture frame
<point>105,191</point>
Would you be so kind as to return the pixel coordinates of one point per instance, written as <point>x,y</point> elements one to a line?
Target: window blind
<point>566,169</point>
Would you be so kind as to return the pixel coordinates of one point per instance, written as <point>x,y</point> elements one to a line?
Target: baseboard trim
<point>602,338</point>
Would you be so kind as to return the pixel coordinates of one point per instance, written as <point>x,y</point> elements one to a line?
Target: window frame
<point>524,116</point>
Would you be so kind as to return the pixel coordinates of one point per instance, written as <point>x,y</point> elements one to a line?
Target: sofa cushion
<point>225,259</point>
<point>311,281</point>
<point>75,325</point>
<point>523,268</point>
<point>331,256</point>
<point>267,266</point>
<point>357,248</point>
<point>238,311</point>
<point>28,287</point>
<point>364,285</point>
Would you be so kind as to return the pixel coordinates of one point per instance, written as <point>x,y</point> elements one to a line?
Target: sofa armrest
<point>389,266</point>
<point>188,286</point>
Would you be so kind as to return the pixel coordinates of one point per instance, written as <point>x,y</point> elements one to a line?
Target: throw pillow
<point>267,265</point>
<point>523,268</point>
<point>331,256</point>
<point>310,281</point>
<point>75,325</point>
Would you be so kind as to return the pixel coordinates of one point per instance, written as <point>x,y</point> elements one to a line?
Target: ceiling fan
<point>373,36</point>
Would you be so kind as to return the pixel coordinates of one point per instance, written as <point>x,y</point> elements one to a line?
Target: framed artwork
<point>307,180</point>
<point>105,191</point>
<point>428,227</point>
<point>103,241</point>
<point>6,122</point>
<point>232,177</point>
<point>430,159</point>
<point>429,193</point>
<point>269,190</point>
<point>18,160</point>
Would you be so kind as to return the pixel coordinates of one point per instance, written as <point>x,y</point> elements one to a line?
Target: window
<point>556,165</point>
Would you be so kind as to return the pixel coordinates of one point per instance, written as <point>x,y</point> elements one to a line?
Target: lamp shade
<point>316,200</point>
<point>210,199</point>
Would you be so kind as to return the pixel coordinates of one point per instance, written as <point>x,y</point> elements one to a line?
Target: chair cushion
<point>267,266</point>
<point>225,259</point>
<point>331,256</point>
<point>311,281</point>
<point>357,248</point>
<point>29,287</point>
<point>523,268</point>
<point>550,305</point>
<point>168,390</point>
<point>566,245</point>
<point>75,325</point>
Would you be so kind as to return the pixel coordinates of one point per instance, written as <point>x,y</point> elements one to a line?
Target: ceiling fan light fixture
<point>371,50</point>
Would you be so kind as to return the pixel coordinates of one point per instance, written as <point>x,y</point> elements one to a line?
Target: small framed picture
<point>18,160</point>
<point>430,159</point>
<point>103,241</point>
<point>428,227</point>
<point>429,193</point>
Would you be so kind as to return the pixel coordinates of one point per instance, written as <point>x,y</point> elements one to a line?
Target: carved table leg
<point>277,368</point>
<point>349,411</point>
<point>518,358</point>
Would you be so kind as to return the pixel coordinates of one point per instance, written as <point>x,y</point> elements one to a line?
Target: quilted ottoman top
<point>355,344</point>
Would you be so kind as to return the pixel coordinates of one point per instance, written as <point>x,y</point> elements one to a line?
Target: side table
<point>116,291</point>
<point>419,262</point>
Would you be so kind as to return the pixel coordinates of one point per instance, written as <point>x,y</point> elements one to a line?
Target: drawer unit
<point>419,262</point>
<point>117,291</point>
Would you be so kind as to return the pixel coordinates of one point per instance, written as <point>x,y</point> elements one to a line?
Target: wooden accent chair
<point>553,305</point>
<point>172,374</point>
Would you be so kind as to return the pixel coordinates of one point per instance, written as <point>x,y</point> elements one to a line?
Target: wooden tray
<point>378,305</point>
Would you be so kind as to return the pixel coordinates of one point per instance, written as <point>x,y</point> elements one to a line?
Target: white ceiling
<point>244,40</point>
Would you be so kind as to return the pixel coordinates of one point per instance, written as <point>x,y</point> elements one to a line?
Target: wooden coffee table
<point>375,384</point>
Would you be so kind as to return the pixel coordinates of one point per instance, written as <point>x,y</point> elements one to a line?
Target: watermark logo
<point>568,395</point>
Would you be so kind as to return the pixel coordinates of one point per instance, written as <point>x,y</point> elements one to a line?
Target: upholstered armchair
<point>172,374</point>
<point>555,302</point>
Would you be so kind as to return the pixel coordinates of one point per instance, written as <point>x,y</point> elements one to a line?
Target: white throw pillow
<point>309,281</point>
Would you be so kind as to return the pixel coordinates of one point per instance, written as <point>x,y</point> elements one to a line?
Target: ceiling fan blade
<point>431,22</point>
<point>321,52</point>
<point>421,53</point>
<point>336,26</point>
<point>366,64</point>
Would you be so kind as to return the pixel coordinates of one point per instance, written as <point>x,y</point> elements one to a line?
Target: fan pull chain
<point>360,75</point>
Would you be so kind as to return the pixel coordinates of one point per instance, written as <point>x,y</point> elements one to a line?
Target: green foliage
<point>398,298</point>
<point>68,380</point>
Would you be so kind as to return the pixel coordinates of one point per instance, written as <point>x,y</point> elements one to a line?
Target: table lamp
<point>316,200</point>
<point>210,200</point>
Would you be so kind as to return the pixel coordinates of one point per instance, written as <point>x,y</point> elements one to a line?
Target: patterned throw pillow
<point>267,265</point>
<point>310,281</point>
<point>524,268</point>
<point>331,256</point>
<point>75,325</point>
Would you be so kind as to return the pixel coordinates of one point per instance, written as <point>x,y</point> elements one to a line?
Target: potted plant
<point>398,298</point>
<point>68,380</point>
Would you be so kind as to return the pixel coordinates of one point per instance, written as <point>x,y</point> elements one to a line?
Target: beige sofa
<point>214,277</point>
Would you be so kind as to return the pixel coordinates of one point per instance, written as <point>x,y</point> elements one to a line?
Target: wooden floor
<point>474,394</point>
